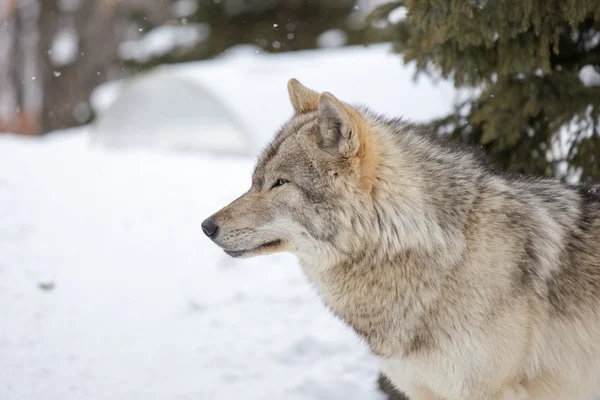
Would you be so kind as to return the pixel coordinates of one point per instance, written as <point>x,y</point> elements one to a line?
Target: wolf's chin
<point>263,249</point>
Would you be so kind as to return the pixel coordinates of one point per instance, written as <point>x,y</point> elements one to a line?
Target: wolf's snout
<point>210,227</point>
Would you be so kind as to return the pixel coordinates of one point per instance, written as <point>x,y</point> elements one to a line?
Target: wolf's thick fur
<point>466,284</point>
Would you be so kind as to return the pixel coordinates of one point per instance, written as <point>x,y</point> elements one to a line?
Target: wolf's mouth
<point>265,246</point>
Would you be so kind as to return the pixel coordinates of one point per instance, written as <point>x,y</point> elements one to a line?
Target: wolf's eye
<point>279,182</point>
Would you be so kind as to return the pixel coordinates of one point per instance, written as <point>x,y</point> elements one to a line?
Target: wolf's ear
<point>341,127</point>
<point>303,99</point>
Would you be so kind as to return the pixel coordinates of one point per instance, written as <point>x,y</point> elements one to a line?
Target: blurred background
<point>124,123</point>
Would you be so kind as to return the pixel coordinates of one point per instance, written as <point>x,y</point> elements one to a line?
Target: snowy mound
<point>158,111</point>
<point>251,88</point>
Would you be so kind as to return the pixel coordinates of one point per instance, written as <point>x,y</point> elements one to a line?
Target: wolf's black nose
<point>209,227</point>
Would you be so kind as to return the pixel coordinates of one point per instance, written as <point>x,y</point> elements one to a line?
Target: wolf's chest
<point>369,306</point>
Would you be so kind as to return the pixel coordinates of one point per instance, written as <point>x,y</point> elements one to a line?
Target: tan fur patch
<point>361,150</point>
<point>369,153</point>
<point>303,99</point>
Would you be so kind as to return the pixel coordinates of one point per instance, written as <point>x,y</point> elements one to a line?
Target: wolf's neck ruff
<point>379,300</point>
<point>389,246</point>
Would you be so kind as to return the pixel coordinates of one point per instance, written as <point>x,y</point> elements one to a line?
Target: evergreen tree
<point>535,65</point>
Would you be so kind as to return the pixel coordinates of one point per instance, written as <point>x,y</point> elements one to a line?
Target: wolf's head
<point>307,186</point>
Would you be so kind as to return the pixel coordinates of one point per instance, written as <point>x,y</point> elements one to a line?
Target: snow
<point>254,86</point>
<point>576,129</point>
<point>366,6</point>
<point>589,76</point>
<point>110,290</point>
<point>161,111</point>
<point>332,38</point>
<point>592,41</point>
<point>397,15</point>
<point>184,8</point>
<point>64,47</point>
<point>162,40</point>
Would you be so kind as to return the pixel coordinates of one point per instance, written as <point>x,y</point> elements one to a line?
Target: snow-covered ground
<point>109,290</point>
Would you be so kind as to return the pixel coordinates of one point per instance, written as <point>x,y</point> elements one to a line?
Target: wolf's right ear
<point>340,127</point>
<point>344,132</point>
<point>303,99</point>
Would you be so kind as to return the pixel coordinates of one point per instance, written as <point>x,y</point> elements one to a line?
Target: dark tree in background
<point>273,25</point>
<point>535,65</point>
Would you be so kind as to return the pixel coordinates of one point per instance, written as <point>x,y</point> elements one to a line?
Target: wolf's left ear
<point>341,127</point>
<point>303,99</point>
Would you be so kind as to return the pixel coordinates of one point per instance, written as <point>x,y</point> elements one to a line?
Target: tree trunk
<point>67,87</point>
<point>11,92</point>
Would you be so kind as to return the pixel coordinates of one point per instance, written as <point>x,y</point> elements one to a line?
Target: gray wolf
<point>465,283</point>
